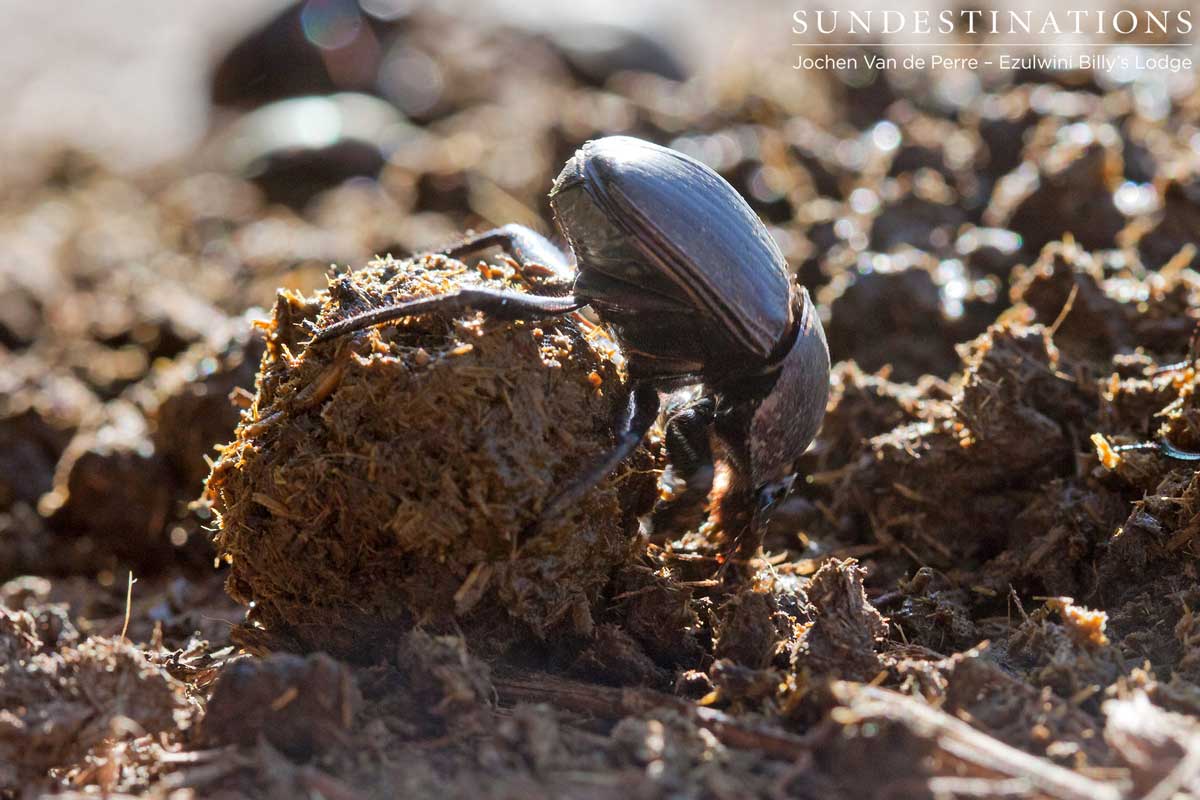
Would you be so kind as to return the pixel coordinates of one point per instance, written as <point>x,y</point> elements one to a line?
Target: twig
<point>607,703</point>
<point>1001,770</point>
<point>1180,776</point>
<point>965,744</point>
<point>128,604</point>
<point>195,756</point>
<point>1065,310</point>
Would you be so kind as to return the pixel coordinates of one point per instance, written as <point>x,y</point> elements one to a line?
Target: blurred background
<point>132,80</point>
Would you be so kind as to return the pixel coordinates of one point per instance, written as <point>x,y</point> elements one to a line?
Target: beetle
<point>695,292</point>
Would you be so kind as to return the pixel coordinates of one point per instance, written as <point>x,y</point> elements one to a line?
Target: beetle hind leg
<point>497,303</point>
<point>527,247</point>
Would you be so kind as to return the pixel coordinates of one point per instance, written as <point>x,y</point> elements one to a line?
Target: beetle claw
<point>772,495</point>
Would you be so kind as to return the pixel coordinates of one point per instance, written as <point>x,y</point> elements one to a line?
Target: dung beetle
<point>696,293</point>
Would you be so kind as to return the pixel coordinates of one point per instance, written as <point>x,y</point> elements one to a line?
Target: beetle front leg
<point>748,512</point>
<point>498,303</point>
<point>641,409</point>
<point>524,245</point>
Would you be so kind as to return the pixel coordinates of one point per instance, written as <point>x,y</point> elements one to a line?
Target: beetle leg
<point>497,303</point>
<point>524,245</point>
<point>1163,446</point>
<point>641,409</point>
<point>689,452</point>
<point>748,541</point>
<point>1171,451</point>
<point>745,513</point>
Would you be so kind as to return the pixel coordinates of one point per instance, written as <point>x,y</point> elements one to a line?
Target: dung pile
<point>397,476</point>
<point>62,700</point>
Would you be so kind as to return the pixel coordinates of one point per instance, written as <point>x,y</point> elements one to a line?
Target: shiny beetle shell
<point>689,223</point>
<point>788,418</point>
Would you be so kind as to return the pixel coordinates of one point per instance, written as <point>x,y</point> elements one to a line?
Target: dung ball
<point>397,476</point>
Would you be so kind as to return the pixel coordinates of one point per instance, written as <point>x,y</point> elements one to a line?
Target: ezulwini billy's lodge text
<point>1145,60</point>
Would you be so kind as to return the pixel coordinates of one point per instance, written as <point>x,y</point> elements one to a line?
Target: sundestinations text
<point>1124,22</point>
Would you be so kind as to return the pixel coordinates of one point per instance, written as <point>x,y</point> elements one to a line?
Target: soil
<point>235,562</point>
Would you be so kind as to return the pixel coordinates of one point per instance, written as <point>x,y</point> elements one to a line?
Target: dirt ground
<point>341,583</point>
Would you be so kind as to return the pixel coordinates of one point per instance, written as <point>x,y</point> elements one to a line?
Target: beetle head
<point>592,236</point>
<point>790,415</point>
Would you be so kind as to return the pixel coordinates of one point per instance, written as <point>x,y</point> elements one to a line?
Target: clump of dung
<point>63,701</point>
<point>397,476</point>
